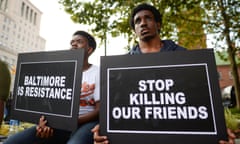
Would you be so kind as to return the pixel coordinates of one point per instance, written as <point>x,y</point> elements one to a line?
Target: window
<point>5,19</point>
<point>230,75</point>
<point>35,18</point>
<point>22,9</point>
<point>219,75</point>
<point>31,15</point>
<point>3,27</point>
<point>27,11</point>
<point>3,5</point>
<point>6,4</point>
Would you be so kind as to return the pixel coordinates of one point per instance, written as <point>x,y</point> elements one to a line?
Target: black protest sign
<point>170,97</point>
<point>48,83</point>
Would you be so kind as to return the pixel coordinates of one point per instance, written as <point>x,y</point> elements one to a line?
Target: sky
<point>57,28</point>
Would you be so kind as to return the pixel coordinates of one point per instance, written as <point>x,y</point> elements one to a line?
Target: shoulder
<point>135,50</point>
<point>93,69</point>
<point>169,45</point>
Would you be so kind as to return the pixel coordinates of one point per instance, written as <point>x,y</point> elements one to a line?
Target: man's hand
<point>97,138</point>
<point>231,138</point>
<point>43,131</point>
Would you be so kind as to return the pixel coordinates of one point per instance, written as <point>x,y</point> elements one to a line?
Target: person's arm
<point>43,131</point>
<point>97,138</point>
<point>90,116</point>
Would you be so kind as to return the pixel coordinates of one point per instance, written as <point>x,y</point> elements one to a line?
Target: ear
<point>90,50</point>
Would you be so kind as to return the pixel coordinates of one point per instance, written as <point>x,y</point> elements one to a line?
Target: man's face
<point>145,25</point>
<point>79,42</point>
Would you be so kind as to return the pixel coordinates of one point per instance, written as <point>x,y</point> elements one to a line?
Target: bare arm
<point>90,116</point>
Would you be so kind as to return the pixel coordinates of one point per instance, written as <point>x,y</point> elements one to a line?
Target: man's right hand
<point>231,138</point>
<point>43,131</point>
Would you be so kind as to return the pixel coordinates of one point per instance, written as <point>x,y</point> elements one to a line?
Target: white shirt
<point>90,90</point>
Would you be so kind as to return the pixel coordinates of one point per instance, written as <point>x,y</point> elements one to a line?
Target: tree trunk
<point>234,69</point>
<point>231,53</point>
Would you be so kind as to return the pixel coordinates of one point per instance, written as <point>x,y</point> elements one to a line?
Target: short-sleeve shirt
<point>90,92</point>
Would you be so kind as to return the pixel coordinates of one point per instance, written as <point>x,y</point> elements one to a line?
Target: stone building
<point>19,30</point>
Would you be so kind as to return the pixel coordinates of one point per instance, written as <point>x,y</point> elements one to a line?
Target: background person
<point>5,82</point>
<point>88,109</point>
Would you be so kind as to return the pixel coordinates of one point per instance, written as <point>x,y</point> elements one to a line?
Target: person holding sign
<point>5,81</point>
<point>146,22</point>
<point>88,107</point>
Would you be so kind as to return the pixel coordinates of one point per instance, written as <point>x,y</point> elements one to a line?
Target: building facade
<point>224,70</point>
<point>225,75</point>
<point>19,30</point>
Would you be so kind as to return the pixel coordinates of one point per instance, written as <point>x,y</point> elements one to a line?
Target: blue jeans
<point>28,136</point>
<point>82,135</point>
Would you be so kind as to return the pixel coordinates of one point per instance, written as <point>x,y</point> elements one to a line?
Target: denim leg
<point>59,137</point>
<point>83,134</point>
<point>27,136</point>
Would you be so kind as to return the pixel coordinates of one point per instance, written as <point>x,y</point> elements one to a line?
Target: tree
<point>190,28</point>
<point>183,21</point>
<point>112,17</point>
<point>223,20</point>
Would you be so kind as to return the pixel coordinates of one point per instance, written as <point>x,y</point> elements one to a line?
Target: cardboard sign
<point>48,83</point>
<point>169,97</point>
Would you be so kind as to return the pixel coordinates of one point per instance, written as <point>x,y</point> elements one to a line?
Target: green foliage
<point>223,19</point>
<point>112,17</point>
<point>232,119</point>
<point>191,16</point>
<point>185,21</point>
